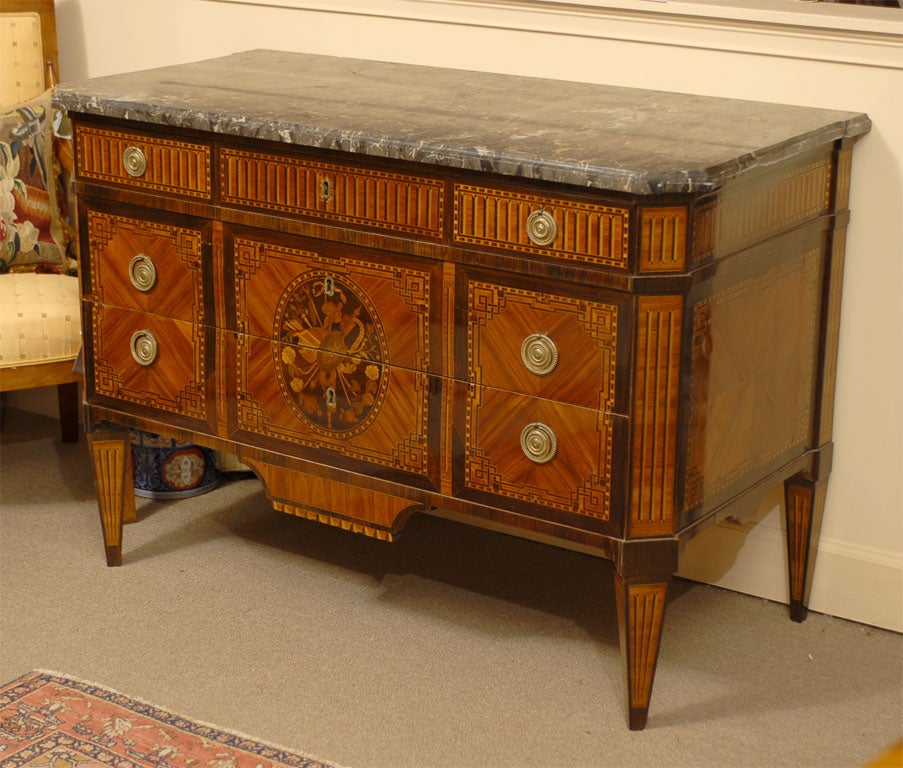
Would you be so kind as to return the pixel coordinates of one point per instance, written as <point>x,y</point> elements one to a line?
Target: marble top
<point>597,136</point>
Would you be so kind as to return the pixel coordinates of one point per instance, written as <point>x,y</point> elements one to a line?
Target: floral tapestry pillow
<point>31,232</point>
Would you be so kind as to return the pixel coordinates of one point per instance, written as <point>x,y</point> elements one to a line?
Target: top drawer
<point>543,225</point>
<point>145,162</point>
<point>334,192</point>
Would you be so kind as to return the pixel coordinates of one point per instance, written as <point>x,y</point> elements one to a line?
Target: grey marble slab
<point>595,136</point>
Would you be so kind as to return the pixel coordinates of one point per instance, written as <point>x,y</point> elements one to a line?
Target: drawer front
<point>149,360</point>
<point>550,345</point>
<point>146,265</point>
<point>335,300</point>
<point>537,452</point>
<point>144,162</point>
<point>542,225</point>
<point>361,410</point>
<point>338,193</point>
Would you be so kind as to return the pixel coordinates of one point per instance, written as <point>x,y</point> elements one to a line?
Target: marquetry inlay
<point>655,414</point>
<point>361,196</point>
<point>752,211</point>
<point>798,514</point>
<point>177,167</point>
<point>591,234</point>
<point>844,173</point>
<point>642,608</point>
<point>394,436</point>
<point>739,421</point>
<point>663,247</point>
<point>174,382</point>
<point>501,316</point>
<point>330,359</point>
<point>577,480</point>
<point>592,316</point>
<point>109,458</point>
<point>337,521</point>
<point>177,253</point>
<point>333,352</point>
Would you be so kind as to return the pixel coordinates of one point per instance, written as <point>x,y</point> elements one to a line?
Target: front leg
<point>804,504</point>
<point>111,457</point>
<point>641,612</point>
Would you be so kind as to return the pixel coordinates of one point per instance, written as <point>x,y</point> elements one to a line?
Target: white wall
<point>845,57</point>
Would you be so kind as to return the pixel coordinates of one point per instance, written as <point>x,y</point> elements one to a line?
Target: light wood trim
<point>38,375</point>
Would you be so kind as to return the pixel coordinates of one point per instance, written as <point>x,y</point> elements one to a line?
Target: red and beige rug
<point>48,720</point>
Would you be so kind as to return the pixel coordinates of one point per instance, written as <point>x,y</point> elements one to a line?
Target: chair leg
<point>67,395</point>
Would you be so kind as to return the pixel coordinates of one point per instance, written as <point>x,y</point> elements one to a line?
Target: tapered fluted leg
<point>641,612</point>
<point>110,454</point>
<point>804,503</point>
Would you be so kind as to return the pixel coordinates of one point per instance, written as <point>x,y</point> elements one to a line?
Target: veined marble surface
<point>597,136</point>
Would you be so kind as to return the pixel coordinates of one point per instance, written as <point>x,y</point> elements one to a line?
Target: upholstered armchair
<point>40,328</point>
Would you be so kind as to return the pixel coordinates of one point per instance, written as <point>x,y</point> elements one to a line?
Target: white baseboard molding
<point>850,582</point>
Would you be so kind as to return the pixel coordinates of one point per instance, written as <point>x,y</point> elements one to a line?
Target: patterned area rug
<point>49,720</point>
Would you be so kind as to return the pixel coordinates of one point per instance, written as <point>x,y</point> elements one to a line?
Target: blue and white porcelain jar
<point>168,469</point>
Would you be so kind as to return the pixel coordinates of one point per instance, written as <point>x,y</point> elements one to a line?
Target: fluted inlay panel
<point>591,234</point>
<point>645,614</point>
<point>353,195</point>
<point>799,522</point>
<point>177,167</point>
<point>655,414</point>
<point>754,210</point>
<point>663,247</point>
<point>109,469</point>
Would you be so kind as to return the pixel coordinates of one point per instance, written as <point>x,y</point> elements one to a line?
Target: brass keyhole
<point>330,398</point>
<point>329,286</point>
<point>325,189</point>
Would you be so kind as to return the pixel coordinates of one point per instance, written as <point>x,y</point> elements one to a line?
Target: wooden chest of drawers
<point>580,330</point>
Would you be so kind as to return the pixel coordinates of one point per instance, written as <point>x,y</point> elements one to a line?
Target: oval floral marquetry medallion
<point>330,354</point>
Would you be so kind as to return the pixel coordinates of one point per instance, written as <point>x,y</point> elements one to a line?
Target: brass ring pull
<point>538,442</point>
<point>541,227</point>
<point>539,354</point>
<point>134,161</point>
<point>144,347</point>
<point>142,272</point>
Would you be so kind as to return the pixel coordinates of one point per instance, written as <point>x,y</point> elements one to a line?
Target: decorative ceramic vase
<point>168,469</point>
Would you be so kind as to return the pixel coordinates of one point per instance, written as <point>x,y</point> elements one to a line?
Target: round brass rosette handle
<point>134,161</point>
<point>142,272</point>
<point>538,442</point>
<point>144,347</point>
<point>539,354</point>
<point>541,228</point>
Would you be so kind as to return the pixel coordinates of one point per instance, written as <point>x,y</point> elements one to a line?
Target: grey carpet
<point>454,647</point>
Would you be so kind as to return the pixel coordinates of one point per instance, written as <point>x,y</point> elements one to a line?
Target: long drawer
<point>334,192</point>
<point>365,414</point>
<point>336,299</point>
